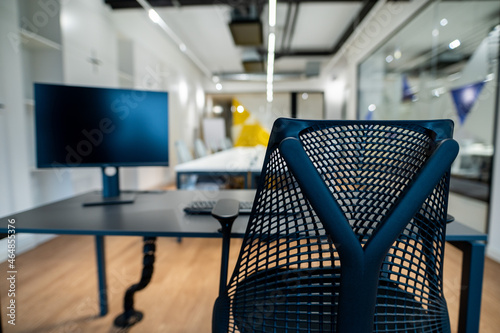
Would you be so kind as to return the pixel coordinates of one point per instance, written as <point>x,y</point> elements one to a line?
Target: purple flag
<point>407,92</point>
<point>465,97</point>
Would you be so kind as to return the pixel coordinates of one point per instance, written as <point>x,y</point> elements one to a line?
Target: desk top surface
<point>152,214</point>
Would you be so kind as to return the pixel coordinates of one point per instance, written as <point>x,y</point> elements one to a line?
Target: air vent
<point>246,33</point>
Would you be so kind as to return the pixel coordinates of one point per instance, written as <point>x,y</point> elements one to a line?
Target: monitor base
<point>98,200</point>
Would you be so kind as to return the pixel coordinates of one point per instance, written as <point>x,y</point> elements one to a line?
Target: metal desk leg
<point>101,274</point>
<point>472,285</point>
<point>247,180</point>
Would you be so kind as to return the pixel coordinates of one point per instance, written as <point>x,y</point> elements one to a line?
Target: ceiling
<point>308,33</point>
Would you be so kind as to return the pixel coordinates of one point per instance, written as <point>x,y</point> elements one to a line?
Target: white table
<point>237,161</point>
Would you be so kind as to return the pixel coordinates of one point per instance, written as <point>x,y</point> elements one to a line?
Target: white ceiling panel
<point>296,64</point>
<point>204,29</point>
<point>302,28</point>
<point>320,25</point>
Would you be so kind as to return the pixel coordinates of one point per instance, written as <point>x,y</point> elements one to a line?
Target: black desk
<point>160,214</point>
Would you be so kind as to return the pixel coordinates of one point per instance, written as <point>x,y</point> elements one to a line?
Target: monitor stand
<point>110,190</point>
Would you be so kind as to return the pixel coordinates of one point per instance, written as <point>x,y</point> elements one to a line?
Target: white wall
<point>87,29</point>
<point>160,65</point>
<point>15,167</point>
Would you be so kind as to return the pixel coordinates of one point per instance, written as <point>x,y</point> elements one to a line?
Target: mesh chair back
<point>347,231</point>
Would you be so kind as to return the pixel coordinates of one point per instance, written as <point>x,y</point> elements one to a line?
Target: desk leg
<point>101,274</point>
<point>471,285</point>
<point>247,180</point>
<point>178,180</point>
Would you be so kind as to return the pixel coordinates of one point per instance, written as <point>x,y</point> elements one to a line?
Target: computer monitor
<point>100,127</point>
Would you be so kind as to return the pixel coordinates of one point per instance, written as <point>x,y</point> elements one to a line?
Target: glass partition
<point>442,64</point>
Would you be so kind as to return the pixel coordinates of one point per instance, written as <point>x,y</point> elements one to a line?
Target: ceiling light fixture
<point>271,44</point>
<point>443,22</point>
<point>270,65</point>
<point>454,44</point>
<point>153,15</point>
<point>272,13</point>
<point>156,18</point>
<point>217,109</point>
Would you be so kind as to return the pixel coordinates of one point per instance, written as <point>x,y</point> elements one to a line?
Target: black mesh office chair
<point>347,231</point>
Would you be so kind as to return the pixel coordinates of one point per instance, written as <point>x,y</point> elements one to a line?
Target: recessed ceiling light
<point>438,91</point>
<point>389,58</point>
<point>454,76</point>
<point>218,86</point>
<point>454,44</point>
<point>372,107</point>
<point>397,54</point>
<point>217,109</point>
<point>153,15</point>
<point>443,22</point>
<point>240,109</point>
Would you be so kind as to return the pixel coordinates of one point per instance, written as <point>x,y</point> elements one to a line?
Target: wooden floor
<point>56,286</point>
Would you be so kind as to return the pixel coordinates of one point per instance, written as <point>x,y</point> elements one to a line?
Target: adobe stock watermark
<point>373,29</point>
<point>47,10</point>
<point>94,137</point>
<point>154,77</point>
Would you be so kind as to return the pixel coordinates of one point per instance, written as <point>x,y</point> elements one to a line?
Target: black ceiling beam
<point>367,6</point>
<point>124,4</point>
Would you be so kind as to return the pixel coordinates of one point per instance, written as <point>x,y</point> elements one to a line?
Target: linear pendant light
<point>271,43</point>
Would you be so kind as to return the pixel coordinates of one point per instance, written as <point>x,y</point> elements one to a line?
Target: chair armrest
<point>226,210</point>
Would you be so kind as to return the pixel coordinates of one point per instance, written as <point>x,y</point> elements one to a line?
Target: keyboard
<point>205,207</point>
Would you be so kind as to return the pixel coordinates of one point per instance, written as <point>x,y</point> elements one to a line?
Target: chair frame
<point>361,265</point>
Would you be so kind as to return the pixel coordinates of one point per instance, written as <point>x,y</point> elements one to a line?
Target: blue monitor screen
<point>89,126</point>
